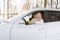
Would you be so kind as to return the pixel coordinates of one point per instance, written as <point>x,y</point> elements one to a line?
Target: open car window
<point>29,17</point>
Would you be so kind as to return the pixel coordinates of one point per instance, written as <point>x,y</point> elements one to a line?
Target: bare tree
<point>8,8</point>
<point>26,6</point>
<point>45,3</point>
<point>41,2</point>
<point>3,8</point>
<point>51,3</point>
<point>57,4</point>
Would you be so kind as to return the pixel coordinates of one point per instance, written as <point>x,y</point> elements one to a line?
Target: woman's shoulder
<point>42,20</point>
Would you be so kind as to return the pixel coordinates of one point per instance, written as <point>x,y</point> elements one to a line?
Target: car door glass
<point>52,16</point>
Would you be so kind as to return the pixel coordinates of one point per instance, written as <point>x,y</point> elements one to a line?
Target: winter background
<point>11,8</point>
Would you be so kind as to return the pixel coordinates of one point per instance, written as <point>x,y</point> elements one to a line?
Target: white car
<point>18,30</point>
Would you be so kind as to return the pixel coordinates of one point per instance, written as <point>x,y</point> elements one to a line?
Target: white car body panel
<point>46,31</point>
<point>28,32</point>
<point>5,32</point>
<point>53,31</point>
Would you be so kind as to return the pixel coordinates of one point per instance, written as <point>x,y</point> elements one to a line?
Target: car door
<point>28,32</point>
<point>53,25</point>
<point>21,31</point>
<point>53,31</point>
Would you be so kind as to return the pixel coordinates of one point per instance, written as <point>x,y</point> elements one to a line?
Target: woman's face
<point>38,16</point>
